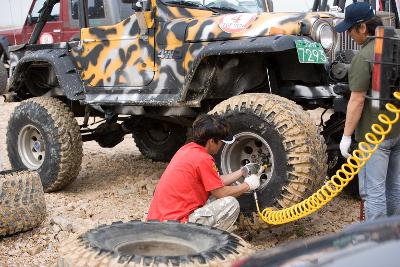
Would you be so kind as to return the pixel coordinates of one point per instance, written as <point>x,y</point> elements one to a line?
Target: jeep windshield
<point>299,6</point>
<point>251,6</point>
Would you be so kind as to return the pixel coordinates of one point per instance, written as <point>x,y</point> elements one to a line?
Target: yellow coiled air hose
<point>343,176</point>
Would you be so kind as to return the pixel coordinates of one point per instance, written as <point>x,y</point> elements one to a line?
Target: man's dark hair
<point>371,24</point>
<point>207,127</point>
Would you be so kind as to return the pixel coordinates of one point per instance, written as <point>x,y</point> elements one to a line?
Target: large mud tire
<point>298,150</point>
<point>56,151</point>
<point>151,243</point>
<point>159,140</point>
<point>22,203</point>
<point>3,78</point>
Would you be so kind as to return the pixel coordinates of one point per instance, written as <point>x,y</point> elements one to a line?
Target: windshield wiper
<point>190,3</point>
<point>226,8</point>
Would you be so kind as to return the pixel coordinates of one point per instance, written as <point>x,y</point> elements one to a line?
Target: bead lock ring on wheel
<point>31,147</point>
<point>248,148</point>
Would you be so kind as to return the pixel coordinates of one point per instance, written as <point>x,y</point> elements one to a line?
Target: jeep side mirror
<point>137,5</point>
<point>29,19</point>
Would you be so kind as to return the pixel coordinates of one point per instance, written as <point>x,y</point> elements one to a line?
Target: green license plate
<point>310,52</point>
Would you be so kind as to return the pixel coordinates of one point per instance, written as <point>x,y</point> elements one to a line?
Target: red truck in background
<point>63,26</point>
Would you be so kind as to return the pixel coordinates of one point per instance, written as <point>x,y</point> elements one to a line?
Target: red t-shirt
<point>185,184</point>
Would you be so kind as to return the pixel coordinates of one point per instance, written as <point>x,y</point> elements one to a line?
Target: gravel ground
<point>113,185</point>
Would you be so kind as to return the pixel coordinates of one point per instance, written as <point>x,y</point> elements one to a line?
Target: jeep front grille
<point>346,43</point>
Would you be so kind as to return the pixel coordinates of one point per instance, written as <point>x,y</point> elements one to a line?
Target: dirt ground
<point>113,185</point>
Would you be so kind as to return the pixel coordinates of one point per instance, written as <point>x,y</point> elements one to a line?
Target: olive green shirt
<point>360,76</point>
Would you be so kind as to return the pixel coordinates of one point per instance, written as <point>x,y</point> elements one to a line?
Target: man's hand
<point>253,181</point>
<point>345,146</point>
<point>251,168</point>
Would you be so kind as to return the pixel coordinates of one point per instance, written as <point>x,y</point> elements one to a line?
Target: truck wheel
<point>3,78</point>
<point>22,203</point>
<point>273,131</point>
<point>43,135</point>
<point>153,243</point>
<point>159,140</point>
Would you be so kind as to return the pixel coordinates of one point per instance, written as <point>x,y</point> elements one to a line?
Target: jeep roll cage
<point>45,14</point>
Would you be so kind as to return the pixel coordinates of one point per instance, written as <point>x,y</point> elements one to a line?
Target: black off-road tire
<point>3,78</point>
<point>60,135</point>
<point>297,146</point>
<point>153,243</point>
<point>22,203</point>
<point>159,140</point>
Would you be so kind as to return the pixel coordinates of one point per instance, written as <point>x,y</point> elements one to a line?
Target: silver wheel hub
<point>31,147</point>
<point>248,147</point>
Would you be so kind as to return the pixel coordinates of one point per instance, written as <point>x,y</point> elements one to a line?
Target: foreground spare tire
<point>154,243</point>
<point>22,203</point>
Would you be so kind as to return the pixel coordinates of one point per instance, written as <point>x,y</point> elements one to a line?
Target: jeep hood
<point>233,26</point>
<point>10,33</point>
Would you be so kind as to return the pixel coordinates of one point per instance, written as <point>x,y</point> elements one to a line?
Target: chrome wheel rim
<point>31,147</point>
<point>248,147</point>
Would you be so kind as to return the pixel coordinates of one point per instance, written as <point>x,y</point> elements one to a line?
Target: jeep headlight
<point>325,35</point>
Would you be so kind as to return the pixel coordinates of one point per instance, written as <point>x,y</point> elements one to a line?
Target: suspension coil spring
<point>343,176</point>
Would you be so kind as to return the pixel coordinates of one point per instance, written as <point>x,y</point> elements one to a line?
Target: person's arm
<point>353,115</point>
<point>230,190</point>
<point>359,82</point>
<point>354,111</point>
<point>231,177</point>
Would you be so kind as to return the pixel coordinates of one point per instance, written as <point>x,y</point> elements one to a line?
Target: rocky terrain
<point>113,185</point>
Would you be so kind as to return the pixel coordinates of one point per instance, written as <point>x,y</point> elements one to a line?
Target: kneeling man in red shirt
<point>191,189</point>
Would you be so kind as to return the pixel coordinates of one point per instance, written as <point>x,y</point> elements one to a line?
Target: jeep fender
<point>266,44</point>
<point>4,47</point>
<point>67,76</point>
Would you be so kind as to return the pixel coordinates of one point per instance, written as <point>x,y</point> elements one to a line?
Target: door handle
<point>56,30</point>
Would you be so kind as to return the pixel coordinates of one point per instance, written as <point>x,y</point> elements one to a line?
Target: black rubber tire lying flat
<point>153,243</point>
<point>159,140</point>
<point>3,78</point>
<point>56,141</point>
<point>299,157</point>
<point>22,203</point>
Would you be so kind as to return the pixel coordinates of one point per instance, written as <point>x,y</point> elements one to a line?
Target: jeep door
<point>116,56</point>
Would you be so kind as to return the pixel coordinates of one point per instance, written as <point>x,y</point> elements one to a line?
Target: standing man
<point>379,179</point>
<point>192,177</point>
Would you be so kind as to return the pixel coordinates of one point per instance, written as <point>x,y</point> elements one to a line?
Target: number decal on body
<point>310,52</point>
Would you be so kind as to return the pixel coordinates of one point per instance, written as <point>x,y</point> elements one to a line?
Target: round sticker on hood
<point>46,38</point>
<point>234,23</point>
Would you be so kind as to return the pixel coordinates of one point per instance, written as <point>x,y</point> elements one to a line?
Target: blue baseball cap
<point>354,14</point>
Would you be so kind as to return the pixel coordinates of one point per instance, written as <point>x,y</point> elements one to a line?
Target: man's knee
<point>232,208</point>
<point>232,203</point>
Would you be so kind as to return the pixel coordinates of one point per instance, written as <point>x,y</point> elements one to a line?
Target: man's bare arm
<point>230,190</point>
<point>231,177</point>
<point>354,111</point>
